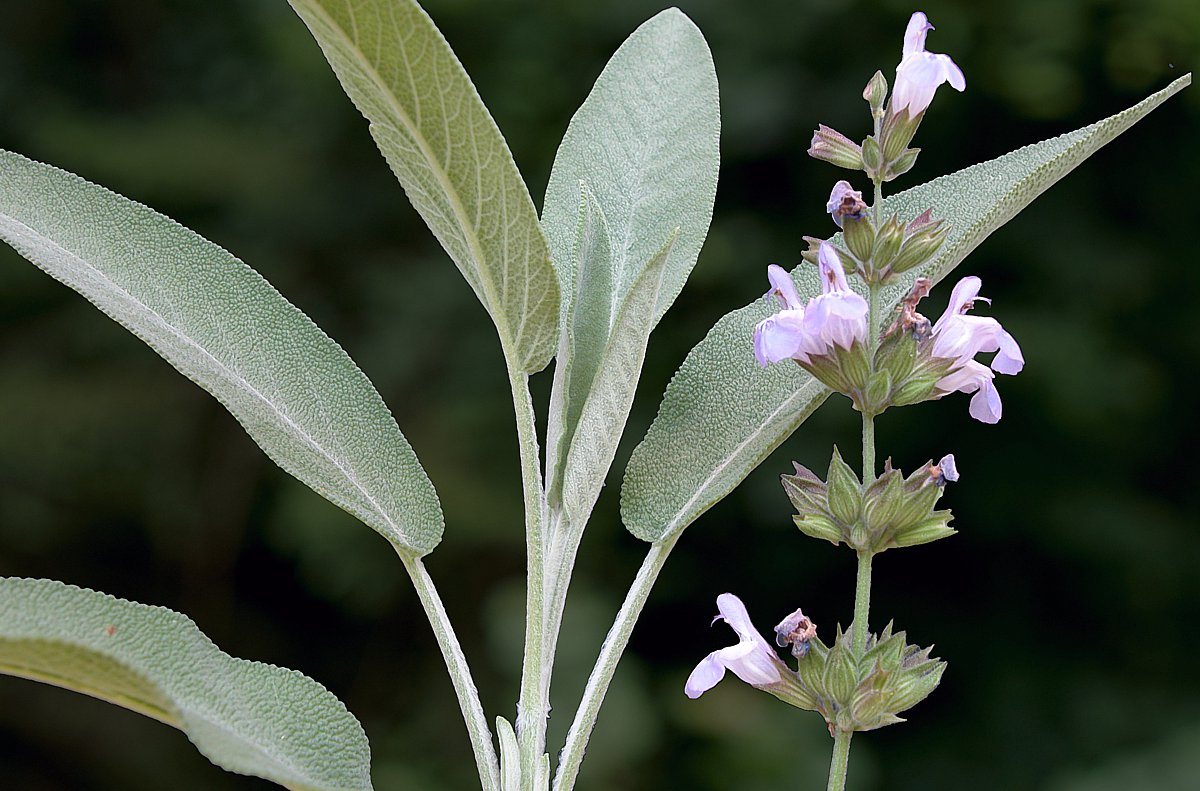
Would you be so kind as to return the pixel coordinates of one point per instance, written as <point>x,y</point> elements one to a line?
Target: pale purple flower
<point>959,337</point>
<point>837,317</point>
<point>753,660</point>
<point>843,200</point>
<point>920,73</point>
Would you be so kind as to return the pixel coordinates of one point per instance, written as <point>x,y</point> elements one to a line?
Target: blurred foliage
<point>1064,606</point>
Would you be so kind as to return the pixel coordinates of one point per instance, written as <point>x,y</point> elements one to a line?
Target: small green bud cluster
<point>868,690</point>
<point>884,155</point>
<point>877,254</point>
<point>893,511</point>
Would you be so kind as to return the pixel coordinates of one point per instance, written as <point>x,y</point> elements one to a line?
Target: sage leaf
<point>448,154</point>
<point>293,389</point>
<point>602,419</point>
<point>645,144</point>
<point>722,415</point>
<point>584,337</point>
<point>245,717</point>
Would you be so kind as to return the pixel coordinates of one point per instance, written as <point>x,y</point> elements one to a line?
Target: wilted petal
<point>844,201</point>
<point>948,468</point>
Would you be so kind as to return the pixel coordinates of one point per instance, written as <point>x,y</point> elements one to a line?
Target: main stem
<point>606,664</point>
<point>840,762</point>
<point>533,706</point>
<point>460,673</point>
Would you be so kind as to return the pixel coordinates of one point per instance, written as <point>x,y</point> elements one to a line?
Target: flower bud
<point>872,157</point>
<point>888,240</point>
<point>876,93</point>
<point>920,245</point>
<point>845,491</point>
<point>902,164</point>
<point>832,146</point>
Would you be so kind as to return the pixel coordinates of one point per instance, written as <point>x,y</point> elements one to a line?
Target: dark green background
<point>1067,607</point>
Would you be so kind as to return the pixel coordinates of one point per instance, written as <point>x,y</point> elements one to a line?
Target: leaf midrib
<point>179,334</point>
<point>456,205</point>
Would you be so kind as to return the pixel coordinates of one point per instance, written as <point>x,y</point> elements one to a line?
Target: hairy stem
<point>533,707</point>
<point>606,664</point>
<point>840,761</point>
<point>460,673</point>
<point>862,602</point>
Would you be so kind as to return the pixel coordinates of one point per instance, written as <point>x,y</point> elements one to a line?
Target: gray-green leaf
<point>442,144</point>
<point>646,141</point>
<point>645,144</point>
<point>584,336</point>
<point>602,419</point>
<point>722,415</point>
<point>246,717</point>
<point>295,391</point>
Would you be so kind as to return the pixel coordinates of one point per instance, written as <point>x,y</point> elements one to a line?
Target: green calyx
<point>893,511</point>
<point>868,691</point>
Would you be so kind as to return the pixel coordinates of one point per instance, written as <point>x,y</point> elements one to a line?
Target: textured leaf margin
<point>722,415</point>
<point>293,389</point>
<point>448,154</point>
<point>246,717</point>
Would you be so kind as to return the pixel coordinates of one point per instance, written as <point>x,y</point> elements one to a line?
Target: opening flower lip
<point>920,73</point>
<point>959,337</point>
<point>752,659</point>
<point>837,317</point>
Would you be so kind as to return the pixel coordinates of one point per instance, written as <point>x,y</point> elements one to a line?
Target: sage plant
<point>583,283</point>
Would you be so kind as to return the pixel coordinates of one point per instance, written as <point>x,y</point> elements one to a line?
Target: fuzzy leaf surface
<point>644,149</point>
<point>602,420</point>
<point>722,414</point>
<point>246,717</point>
<point>448,154</point>
<point>293,389</point>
